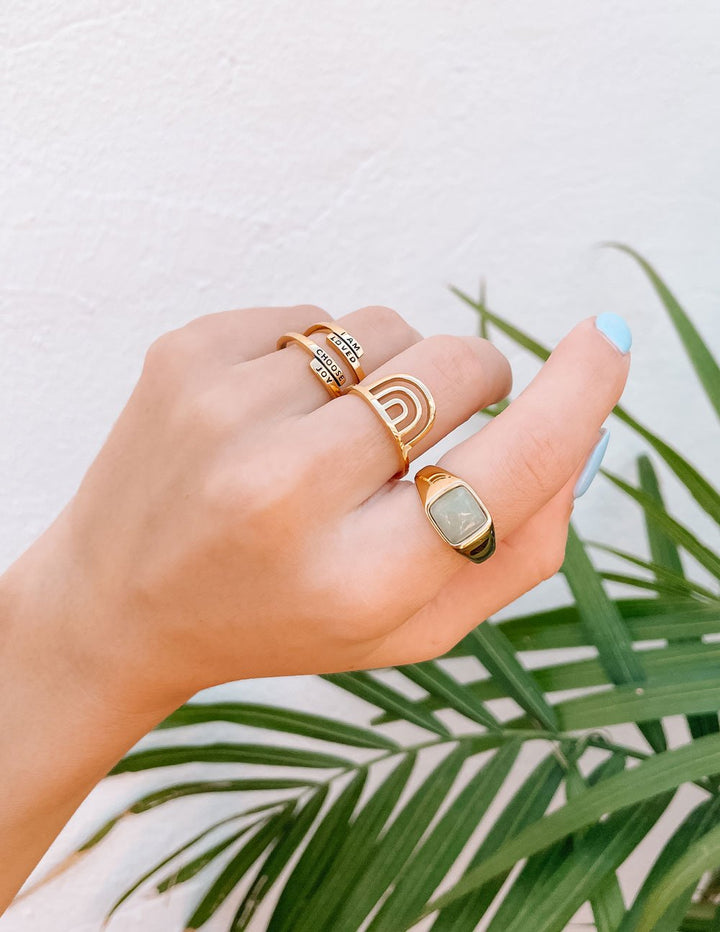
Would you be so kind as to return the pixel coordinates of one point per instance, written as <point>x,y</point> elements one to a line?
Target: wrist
<point>55,638</point>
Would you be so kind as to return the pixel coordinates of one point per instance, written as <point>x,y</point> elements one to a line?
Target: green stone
<point>457,514</point>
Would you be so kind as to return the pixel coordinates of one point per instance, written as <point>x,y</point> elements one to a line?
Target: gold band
<point>456,512</point>
<point>343,342</point>
<point>416,410</point>
<point>322,364</point>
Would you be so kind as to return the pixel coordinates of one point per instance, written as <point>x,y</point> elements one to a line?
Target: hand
<point>239,522</point>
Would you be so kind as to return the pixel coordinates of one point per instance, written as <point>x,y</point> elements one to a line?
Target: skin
<point>237,524</point>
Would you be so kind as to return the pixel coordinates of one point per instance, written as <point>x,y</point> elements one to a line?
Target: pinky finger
<point>526,557</point>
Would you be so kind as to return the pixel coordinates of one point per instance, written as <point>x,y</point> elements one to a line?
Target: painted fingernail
<point>592,464</point>
<point>615,328</point>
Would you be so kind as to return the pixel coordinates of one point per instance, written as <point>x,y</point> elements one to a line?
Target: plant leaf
<point>287,845</point>
<point>199,787</point>
<point>436,681</point>
<point>277,719</point>
<point>603,849</point>
<point>701,855</point>
<point>378,694</point>
<point>638,704</point>
<point>355,851</point>
<point>519,336</point>
<point>527,805</point>
<point>666,554</point>
<point>663,550</point>
<point>706,368</point>
<point>494,651</point>
<point>695,824</point>
<point>316,858</point>
<point>189,870</point>
<point>655,775</point>
<point>646,619</point>
<point>676,531</point>
<point>236,869</point>
<point>159,866</point>
<point>666,581</point>
<point>395,846</point>
<point>605,625</point>
<point>534,875</point>
<point>438,852</point>
<point>226,753</point>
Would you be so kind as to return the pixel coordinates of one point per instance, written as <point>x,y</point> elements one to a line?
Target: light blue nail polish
<point>592,465</point>
<point>615,328</point>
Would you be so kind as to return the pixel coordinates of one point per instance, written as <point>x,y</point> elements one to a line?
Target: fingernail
<point>614,327</point>
<point>592,464</point>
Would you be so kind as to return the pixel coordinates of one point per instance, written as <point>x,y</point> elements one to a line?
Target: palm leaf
<point>431,677</point>
<point>527,805</point>
<point>604,623</point>
<point>223,753</point>
<point>494,651</point>
<point>393,849</point>
<point>291,837</point>
<point>316,858</point>
<point>702,855</point>
<point>695,825</point>
<point>667,561</point>
<point>582,872</point>
<point>366,687</point>
<point>233,872</point>
<point>356,849</point>
<point>706,368</point>
<point>653,776</point>
<point>273,718</point>
<point>436,855</point>
<point>675,531</point>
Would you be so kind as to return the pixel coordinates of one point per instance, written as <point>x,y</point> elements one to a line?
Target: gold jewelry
<point>457,513</point>
<point>322,364</point>
<point>417,410</point>
<point>344,343</point>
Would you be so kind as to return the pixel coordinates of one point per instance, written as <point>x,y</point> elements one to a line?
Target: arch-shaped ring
<point>417,410</point>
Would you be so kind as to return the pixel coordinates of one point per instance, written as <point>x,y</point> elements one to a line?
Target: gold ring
<point>344,343</point>
<point>457,513</point>
<point>322,364</point>
<point>416,410</point>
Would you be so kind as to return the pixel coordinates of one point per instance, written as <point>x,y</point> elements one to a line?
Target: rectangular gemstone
<point>457,514</point>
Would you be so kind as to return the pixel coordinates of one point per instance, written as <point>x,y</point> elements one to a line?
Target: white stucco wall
<point>160,160</point>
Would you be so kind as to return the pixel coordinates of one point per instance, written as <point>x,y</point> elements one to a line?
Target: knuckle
<point>310,310</point>
<point>455,362</point>
<point>385,320</point>
<point>170,352</point>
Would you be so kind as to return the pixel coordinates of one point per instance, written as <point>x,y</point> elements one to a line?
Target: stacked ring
<point>342,341</point>
<point>415,416</point>
<point>322,363</point>
<point>457,513</point>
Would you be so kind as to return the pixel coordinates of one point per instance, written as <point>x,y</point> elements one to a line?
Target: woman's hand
<point>239,522</point>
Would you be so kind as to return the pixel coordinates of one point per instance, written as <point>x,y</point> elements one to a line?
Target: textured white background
<point>163,160</point>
